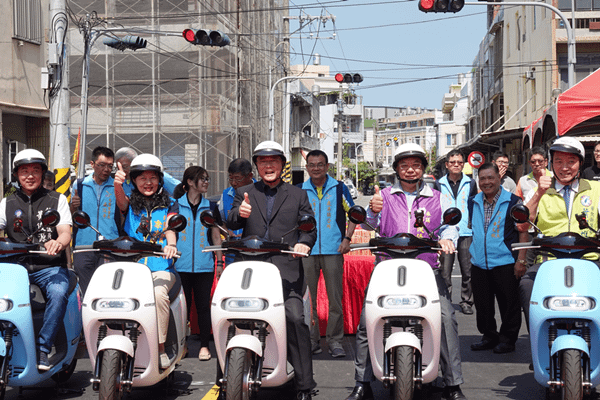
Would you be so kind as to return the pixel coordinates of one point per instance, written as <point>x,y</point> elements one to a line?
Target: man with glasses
<point>593,173</point>
<point>500,158</point>
<point>240,174</point>
<point>95,195</point>
<point>330,200</point>
<point>539,163</point>
<point>456,188</point>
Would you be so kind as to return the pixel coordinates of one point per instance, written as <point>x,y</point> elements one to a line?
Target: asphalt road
<point>486,375</point>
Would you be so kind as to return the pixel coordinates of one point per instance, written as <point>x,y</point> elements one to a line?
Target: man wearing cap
<point>269,209</point>
<point>556,201</point>
<point>393,210</point>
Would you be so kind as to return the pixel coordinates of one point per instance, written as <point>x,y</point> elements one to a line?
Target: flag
<point>76,152</point>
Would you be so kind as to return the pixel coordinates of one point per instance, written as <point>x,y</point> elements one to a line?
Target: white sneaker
<point>164,361</point>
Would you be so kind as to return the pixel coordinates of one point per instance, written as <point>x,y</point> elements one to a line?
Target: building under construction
<point>187,104</point>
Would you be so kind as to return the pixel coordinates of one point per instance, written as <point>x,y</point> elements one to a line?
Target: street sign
<point>476,159</point>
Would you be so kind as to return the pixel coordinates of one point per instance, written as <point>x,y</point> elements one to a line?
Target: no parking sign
<point>476,159</point>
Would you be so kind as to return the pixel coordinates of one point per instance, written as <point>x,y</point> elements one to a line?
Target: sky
<point>407,57</point>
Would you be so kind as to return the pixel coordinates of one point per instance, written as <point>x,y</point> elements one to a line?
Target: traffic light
<point>206,37</point>
<point>128,42</point>
<point>348,78</point>
<point>441,5</point>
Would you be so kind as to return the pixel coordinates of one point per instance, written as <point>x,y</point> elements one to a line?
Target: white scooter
<point>119,316</point>
<point>248,316</point>
<point>402,308</point>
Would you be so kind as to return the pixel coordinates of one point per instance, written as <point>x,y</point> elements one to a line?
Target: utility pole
<point>58,60</point>
<point>340,110</point>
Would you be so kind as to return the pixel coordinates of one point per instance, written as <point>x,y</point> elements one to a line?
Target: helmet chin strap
<point>409,181</point>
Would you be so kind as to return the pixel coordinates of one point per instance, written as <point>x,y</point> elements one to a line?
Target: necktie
<point>568,198</point>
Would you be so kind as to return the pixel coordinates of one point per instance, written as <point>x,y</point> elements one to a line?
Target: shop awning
<point>577,104</point>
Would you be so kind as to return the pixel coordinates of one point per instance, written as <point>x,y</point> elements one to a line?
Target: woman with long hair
<point>197,269</point>
<point>151,206</point>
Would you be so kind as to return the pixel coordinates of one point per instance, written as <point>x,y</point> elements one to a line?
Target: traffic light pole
<point>272,107</point>
<point>571,57</point>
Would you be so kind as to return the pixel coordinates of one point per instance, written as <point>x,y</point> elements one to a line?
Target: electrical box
<point>45,78</point>
<point>53,58</point>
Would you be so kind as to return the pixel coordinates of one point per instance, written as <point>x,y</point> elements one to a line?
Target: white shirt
<point>63,211</point>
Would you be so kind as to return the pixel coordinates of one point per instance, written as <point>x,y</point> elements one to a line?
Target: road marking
<point>212,394</point>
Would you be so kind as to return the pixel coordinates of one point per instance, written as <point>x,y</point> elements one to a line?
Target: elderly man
<point>270,208</point>
<point>496,268</point>
<point>392,211</point>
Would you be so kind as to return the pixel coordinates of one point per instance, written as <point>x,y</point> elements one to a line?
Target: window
<point>451,139</point>
<point>28,20</point>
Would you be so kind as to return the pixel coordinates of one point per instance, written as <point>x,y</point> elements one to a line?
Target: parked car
<point>352,189</point>
<point>429,180</point>
<point>369,190</point>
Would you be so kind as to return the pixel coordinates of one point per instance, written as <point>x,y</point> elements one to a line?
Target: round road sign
<point>476,159</point>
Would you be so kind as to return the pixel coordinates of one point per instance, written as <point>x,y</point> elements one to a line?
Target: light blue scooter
<point>564,314</point>
<point>21,316</point>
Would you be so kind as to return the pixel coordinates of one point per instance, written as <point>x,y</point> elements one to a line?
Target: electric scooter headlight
<point>404,301</point>
<point>246,304</point>
<point>569,303</point>
<point>5,305</point>
<point>124,305</point>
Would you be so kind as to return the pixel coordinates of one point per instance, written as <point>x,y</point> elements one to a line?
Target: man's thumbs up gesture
<point>245,207</point>
<point>376,203</point>
<point>120,175</point>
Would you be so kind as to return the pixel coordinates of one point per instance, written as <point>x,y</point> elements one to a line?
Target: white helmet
<point>29,156</point>
<point>409,150</point>
<point>568,144</point>
<point>145,162</point>
<point>268,148</point>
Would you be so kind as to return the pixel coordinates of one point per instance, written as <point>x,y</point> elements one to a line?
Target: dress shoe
<point>306,394</point>
<point>361,393</point>
<point>502,348</point>
<point>485,344</point>
<point>453,393</point>
<point>467,309</point>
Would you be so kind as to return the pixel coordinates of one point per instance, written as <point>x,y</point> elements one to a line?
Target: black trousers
<point>500,284</point>
<point>298,340</point>
<point>200,284</point>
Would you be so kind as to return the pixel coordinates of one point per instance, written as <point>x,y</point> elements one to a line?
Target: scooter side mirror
<point>81,219</point>
<point>307,223</point>
<point>177,223</point>
<point>209,220</point>
<point>357,215</point>
<point>50,218</point>
<point>452,216</point>
<point>519,213</point>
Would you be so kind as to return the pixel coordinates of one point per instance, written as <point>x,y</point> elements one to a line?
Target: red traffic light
<point>426,5</point>
<point>189,35</point>
<point>348,78</point>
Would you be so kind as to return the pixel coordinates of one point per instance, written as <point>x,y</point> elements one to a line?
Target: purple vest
<point>395,218</point>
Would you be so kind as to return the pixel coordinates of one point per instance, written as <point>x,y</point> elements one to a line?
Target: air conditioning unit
<point>529,75</point>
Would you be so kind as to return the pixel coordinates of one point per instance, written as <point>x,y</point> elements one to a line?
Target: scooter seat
<point>37,300</point>
<point>174,292</point>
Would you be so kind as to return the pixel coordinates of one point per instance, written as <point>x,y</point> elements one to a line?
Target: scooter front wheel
<point>238,375</point>
<point>111,375</point>
<point>404,371</point>
<point>571,375</point>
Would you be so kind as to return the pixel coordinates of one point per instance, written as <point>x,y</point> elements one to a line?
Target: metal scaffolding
<point>186,104</point>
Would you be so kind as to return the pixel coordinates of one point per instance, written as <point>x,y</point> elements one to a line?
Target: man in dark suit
<point>269,209</point>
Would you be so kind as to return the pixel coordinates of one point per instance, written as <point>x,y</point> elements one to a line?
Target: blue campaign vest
<point>492,248</point>
<point>158,218</point>
<point>330,215</point>
<point>461,201</point>
<point>103,213</point>
<point>193,239</point>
